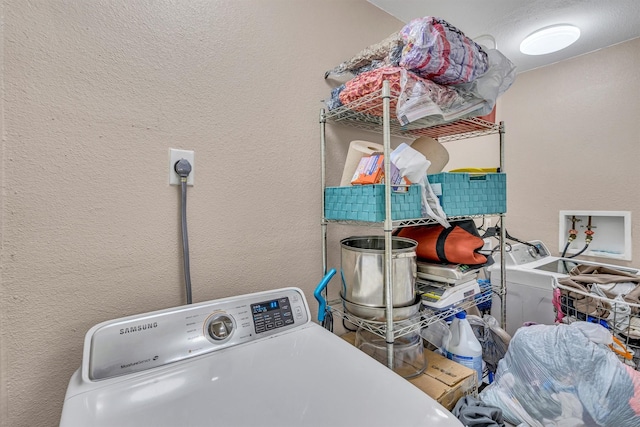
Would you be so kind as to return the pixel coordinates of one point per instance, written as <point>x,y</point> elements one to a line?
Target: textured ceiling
<point>602,23</point>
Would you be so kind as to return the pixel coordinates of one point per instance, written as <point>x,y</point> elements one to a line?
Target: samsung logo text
<point>138,328</point>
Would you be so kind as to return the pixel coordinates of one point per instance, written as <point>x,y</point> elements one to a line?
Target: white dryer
<point>248,360</point>
<point>530,275</point>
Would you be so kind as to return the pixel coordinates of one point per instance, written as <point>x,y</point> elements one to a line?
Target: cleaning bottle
<point>463,346</point>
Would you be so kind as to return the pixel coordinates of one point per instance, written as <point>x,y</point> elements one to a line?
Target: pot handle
<point>403,255</point>
<point>322,310</point>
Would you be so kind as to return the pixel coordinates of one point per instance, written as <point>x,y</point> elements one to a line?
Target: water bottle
<point>463,346</point>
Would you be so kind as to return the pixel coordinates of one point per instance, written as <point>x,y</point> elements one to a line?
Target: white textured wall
<point>572,142</point>
<point>95,93</point>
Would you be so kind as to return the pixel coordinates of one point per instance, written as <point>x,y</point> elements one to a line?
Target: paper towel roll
<point>433,151</point>
<point>357,149</point>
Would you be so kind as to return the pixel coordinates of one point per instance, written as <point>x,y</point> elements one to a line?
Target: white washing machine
<point>248,360</point>
<point>530,276</point>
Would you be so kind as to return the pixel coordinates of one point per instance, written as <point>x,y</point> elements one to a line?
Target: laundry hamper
<point>620,317</point>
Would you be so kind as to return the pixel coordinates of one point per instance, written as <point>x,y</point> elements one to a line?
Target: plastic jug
<point>463,346</point>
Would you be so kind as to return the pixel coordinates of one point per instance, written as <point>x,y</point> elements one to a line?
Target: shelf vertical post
<point>323,160</point>
<point>388,221</point>
<point>503,236</point>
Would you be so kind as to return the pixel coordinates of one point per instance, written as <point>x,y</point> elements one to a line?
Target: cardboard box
<point>349,337</point>
<point>444,380</point>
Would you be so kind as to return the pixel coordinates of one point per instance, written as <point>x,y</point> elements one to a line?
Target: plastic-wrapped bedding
<point>385,53</point>
<point>412,96</point>
<point>438,51</point>
<point>371,81</point>
<point>565,375</point>
<point>419,97</point>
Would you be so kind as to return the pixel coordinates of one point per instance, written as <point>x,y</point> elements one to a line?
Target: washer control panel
<point>136,343</point>
<point>272,314</point>
<point>523,254</point>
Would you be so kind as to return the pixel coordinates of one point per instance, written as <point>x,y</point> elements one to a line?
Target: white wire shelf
<point>403,327</point>
<point>408,222</point>
<point>360,114</point>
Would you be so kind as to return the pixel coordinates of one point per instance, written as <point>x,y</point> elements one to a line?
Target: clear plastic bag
<point>436,334</point>
<point>385,53</point>
<point>492,337</point>
<point>477,98</point>
<point>487,88</point>
<point>421,98</point>
<point>557,375</point>
<point>438,51</point>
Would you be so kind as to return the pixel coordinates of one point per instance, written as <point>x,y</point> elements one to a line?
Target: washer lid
<point>302,377</point>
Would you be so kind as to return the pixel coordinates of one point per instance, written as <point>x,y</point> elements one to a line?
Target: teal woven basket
<point>462,193</point>
<point>366,203</point>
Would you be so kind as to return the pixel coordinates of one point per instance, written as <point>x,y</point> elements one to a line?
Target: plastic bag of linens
<point>385,53</point>
<point>476,98</point>
<point>565,375</point>
<point>438,51</point>
<point>421,98</point>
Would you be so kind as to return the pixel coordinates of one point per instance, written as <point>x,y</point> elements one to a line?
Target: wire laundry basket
<point>620,317</point>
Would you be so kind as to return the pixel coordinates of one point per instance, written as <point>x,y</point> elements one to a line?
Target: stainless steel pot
<point>378,314</point>
<point>362,270</point>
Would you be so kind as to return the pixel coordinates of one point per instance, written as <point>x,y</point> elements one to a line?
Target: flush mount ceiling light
<point>549,39</point>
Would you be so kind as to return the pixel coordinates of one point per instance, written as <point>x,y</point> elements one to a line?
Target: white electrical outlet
<point>174,156</point>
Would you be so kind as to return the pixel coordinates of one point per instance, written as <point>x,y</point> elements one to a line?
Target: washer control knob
<point>533,252</point>
<point>220,327</point>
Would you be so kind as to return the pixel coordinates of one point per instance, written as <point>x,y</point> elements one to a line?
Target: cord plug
<point>183,169</point>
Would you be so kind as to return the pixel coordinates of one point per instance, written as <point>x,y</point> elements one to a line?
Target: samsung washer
<point>247,360</point>
<point>531,273</point>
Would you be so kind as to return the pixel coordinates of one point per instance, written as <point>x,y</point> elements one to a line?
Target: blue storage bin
<point>462,193</point>
<point>366,203</point>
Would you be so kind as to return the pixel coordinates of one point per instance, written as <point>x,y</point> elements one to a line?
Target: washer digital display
<point>271,314</point>
<point>264,307</point>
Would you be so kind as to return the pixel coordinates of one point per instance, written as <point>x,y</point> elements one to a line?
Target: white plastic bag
<point>413,165</point>
<point>489,86</point>
<point>437,334</point>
